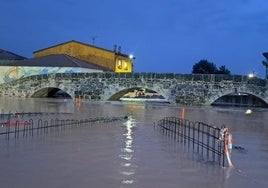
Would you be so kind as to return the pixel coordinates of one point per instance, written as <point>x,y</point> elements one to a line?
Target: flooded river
<point>129,152</point>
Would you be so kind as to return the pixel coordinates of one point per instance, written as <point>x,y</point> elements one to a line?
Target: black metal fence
<point>35,126</point>
<point>202,138</point>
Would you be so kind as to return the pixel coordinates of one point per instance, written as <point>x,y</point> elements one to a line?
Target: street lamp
<point>131,56</point>
<point>265,63</point>
<point>251,75</point>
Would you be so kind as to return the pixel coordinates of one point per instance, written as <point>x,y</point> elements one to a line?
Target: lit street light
<point>251,75</point>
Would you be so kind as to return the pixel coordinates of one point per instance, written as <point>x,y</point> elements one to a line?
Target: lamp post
<point>265,63</point>
<point>131,57</point>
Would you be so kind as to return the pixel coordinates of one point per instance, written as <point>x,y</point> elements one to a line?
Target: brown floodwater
<point>129,152</point>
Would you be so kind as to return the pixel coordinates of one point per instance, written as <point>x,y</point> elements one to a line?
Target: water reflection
<point>248,111</point>
<point>130,154</point>
<point>127,151</point>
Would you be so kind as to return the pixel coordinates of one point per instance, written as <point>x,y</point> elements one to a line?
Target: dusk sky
<point>165,36</point>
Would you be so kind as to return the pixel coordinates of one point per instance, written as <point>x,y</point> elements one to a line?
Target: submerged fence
<point>35,126</point>
<point>202,138</point>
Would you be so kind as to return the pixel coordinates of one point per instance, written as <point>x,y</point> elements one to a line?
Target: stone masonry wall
<point>187,89</point>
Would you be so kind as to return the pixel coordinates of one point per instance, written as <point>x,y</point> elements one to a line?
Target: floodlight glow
<point>251,75</point>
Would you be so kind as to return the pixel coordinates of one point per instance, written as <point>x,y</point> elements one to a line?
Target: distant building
<point>68,57</point>
<point>58,63</point>
<point>114,60</point>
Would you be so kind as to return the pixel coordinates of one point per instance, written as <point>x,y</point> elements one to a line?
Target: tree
<point>206,67</point>
<point>223,70</point>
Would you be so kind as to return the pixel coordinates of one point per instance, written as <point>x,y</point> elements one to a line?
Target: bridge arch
<point>238,97</point>
<point>50,92</point>
<point>136,92</point>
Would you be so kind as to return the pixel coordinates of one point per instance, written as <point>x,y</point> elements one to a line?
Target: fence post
<point>208,136</point>
<point>31,124</point>
<point>17,124</point>
<point>8,126</point>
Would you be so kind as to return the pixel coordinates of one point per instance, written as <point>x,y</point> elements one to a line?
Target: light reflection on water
<point>131,153</point>
<point>127,152</point>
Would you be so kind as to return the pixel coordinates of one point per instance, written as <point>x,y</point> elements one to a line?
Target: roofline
<point>82,44</point>
<point>22,57</point>
<point>99,66</point>
<point>70,58</point>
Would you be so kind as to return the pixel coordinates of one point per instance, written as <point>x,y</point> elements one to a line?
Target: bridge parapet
<point>190,89</point>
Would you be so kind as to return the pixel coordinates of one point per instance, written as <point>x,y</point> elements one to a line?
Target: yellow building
<point>115,61</point>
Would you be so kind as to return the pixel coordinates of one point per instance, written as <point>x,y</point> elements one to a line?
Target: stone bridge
<point>188,89</point>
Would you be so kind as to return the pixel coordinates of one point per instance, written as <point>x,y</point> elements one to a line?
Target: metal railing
<point>202,138</point>
<point>38,126</point>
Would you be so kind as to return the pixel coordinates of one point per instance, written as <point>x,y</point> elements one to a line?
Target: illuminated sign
<point>123,66</point>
